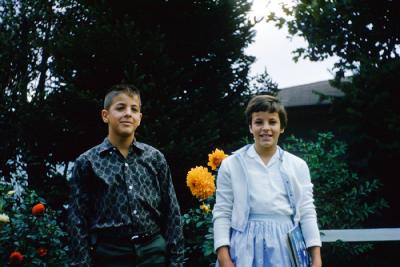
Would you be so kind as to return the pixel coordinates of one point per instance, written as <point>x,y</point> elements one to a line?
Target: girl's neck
<point>265,153</point>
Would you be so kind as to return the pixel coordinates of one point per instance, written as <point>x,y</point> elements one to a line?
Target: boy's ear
<point>251,131</point>
<point>104,115</point>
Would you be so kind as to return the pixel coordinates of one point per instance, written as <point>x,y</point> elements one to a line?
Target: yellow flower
<point>205,208</point>
<point>10,192</point>
<point>201,182</point>
<point>4,218</point>
<point>215,158</point>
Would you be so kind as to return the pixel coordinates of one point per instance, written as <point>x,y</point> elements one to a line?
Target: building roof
<point>305,94</point>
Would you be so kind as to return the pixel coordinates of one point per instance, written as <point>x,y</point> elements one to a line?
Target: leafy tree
<point>58,58</point>
<point>263,84</point>
<point>365,36</point>
<point>26,42</point>
<point>358,32</point>
<point>186,57</point>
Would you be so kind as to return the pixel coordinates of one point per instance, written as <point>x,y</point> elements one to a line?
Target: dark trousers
<point>123,254</point>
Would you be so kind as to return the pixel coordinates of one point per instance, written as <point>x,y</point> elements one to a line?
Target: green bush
<point>32,236</point>
<point>342,198</point>
<point>199,238</point>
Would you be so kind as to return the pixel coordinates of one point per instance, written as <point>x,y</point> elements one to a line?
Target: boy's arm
<point>173,228</point>
<point>77,210</point>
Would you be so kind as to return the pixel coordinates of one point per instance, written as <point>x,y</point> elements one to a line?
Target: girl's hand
<point>226,263</point>
<point>224,259</point>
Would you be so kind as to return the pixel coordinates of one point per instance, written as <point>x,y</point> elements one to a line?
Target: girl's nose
<point>265,126</point>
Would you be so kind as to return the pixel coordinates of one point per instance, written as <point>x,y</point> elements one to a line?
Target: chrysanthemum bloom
<point>16,257</point>
<point>4,218</point>
<point>38,209</point>
<point>215,158</point>
<point>42,251</point>
<point>205,208</point>
<point>201,182</point>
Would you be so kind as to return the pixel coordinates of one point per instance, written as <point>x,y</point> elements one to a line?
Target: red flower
<point>16,257</point>
<point>38,209</point>
<point>42,251</point>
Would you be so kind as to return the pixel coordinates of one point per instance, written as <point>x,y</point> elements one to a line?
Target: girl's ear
<point>282,130</point>
<point>251,131</point>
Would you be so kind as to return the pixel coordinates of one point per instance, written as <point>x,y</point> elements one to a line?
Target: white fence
<point>361,235</point>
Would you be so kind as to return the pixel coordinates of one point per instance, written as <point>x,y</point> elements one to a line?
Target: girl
<point>252,214</point>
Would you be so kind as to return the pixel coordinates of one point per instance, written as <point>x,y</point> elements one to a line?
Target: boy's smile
<point>124,116</point>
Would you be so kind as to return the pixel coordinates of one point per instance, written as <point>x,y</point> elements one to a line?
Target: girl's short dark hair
<point>117,89</point>
<point>266,103</point>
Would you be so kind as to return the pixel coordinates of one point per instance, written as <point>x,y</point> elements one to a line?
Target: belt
<point>107,236</point>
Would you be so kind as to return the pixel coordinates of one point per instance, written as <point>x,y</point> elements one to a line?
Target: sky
<point>273,51</point>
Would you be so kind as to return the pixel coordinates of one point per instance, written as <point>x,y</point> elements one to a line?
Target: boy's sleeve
<point>173,229</point>
<point>77,226</point>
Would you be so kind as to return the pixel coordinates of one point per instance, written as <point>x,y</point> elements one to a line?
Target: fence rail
<point>361,235</point>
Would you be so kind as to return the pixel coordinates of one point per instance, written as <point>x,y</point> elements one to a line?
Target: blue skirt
<point>263,243</point>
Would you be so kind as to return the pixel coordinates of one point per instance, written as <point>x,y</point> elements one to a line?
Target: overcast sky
<point>272,50</point>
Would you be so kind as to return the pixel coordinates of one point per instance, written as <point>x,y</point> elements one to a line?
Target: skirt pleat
<point>263,243</point>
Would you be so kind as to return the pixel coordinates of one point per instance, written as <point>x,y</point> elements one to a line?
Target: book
<point>299,255</point>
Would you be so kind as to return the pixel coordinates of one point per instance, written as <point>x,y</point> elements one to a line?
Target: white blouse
<point>267,192</point>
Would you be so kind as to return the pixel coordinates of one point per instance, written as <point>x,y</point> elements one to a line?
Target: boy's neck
<point>122,143</point>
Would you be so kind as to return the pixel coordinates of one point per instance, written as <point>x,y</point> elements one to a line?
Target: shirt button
<point>130,187</point>
<point>126,164</point>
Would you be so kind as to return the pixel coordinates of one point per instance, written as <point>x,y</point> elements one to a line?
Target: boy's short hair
<point>266,103</point>
<point>117,89</point>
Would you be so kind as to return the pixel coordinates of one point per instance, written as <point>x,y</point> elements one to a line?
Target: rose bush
<point>30,234</point>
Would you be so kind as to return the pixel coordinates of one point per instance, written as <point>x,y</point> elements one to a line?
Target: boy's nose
<point>128,112</point>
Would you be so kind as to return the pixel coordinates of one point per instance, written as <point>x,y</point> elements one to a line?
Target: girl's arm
<point>316,256</point>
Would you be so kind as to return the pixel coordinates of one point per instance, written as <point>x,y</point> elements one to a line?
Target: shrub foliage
<point>31,236</point>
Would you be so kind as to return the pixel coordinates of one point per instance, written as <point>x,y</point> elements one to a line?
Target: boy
<point>123,209</point>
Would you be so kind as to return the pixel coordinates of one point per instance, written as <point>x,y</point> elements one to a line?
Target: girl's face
<point>266,129</point>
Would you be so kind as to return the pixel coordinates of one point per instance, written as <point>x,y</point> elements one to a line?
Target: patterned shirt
<point>109,190</point>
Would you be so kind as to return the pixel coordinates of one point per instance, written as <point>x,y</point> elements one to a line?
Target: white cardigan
<point>232,208</point>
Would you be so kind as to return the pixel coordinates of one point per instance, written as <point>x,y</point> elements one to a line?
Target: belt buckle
<point>134,237</point>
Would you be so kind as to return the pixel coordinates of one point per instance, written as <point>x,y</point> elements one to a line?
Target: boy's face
<point>266,129</point>
<point>123,116</point>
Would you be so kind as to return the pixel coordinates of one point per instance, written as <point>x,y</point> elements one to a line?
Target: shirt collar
<point>106,146</point>
<point>252,153</point>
